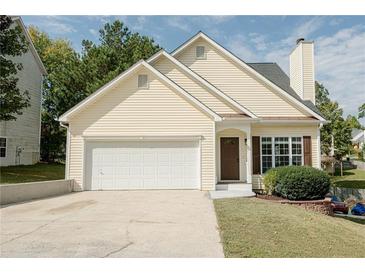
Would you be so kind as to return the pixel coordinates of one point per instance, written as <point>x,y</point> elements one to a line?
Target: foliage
<point>301,183</point>
<point>73,76</point>
<point>118,49</point>
<point>337,126</point>
<point>63,88</point>
<point>12,44</point>
<point>362,111</point>
<point>270,180</point>
<point>353,122</point>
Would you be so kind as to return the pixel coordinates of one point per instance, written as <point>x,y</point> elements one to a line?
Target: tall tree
<point>337,126</point>
<point>12,44</point>
<point>63,88</point>
<point>118,49</point>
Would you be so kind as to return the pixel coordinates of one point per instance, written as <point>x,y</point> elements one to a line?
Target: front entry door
<point>230,160</point>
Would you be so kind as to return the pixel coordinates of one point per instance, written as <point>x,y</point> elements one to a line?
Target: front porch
<point>233,160</point>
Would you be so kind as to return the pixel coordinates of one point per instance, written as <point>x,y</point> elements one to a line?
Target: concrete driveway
<point>112,224</point>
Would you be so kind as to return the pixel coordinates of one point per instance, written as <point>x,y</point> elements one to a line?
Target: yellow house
<point>193,119</point>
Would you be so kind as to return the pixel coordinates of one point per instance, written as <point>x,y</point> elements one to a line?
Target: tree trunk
<point>341,168</point>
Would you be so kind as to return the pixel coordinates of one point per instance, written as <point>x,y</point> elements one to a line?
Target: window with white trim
<point>281,145</point>
<point>281,151</point>
<point>2,147</point>
<point>296,151</point>
<point>200,52</point>
<point>142,81</point>
<point>266,152</point>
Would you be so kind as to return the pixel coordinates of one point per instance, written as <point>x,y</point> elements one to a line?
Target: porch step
<point>233,186</point>
<point>232,190</point>
<point>221,194</point>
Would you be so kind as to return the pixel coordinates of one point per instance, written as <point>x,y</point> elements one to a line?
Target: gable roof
<point>39,62</point>
<point>101,91</point>
<point>275,74</point>
<point>298,103</point>
<point>202,81</point>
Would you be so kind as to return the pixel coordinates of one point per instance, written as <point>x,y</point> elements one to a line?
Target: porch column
<point>249,156</point>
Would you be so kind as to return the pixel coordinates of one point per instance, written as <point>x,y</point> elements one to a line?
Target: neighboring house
<point>358,138</point>
<point>20,139</point>
<point>193,118</point>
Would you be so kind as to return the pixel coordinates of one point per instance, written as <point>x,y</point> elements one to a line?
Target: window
<point>2,147</point>
<point>296,151</point>
<point>266,154</point>
<point>200,52</point>
<point>142,81</point>
<point>280,151</point>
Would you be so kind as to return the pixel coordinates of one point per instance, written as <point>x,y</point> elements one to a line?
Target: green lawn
<point>31,173</point>
<point>251,227</point>
<point>353,178</point>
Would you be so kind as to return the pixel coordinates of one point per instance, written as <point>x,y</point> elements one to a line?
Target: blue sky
<point>339,41</point>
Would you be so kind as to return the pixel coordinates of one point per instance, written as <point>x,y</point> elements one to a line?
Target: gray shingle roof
<point>276,75</point>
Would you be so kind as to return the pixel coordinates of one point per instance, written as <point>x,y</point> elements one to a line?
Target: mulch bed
<point>270,197</point>
<point>321,206</point>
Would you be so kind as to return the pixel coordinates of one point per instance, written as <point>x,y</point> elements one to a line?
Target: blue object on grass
<point>358,209</point>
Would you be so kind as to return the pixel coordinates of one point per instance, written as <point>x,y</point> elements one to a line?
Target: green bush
<point>301,183</point>
<point>270,181</point>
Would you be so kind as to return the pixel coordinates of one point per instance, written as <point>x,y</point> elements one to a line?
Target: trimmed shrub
<point>270,180</point>
<point>301,183</point>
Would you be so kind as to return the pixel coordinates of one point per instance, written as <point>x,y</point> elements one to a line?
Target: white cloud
<point>340,66</point>
<point>56,24</point>
<point>140,23</point>
<point>239,45</point>
<point>259,40</point>
<point>94,32</point>
<point>178,22</point>
<point>335,21</point>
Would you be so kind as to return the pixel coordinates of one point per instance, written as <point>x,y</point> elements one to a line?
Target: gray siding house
<point>20,139</point>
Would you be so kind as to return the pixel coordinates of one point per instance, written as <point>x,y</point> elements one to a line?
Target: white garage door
<point>142,165</point>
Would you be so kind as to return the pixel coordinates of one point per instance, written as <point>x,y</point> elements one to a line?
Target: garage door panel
<point>143,165</point>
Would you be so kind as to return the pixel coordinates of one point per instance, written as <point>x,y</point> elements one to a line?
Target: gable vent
<point>142,81</point>
<point>200,52</point>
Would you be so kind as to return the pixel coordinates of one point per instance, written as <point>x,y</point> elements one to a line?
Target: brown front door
<point>230,158</point>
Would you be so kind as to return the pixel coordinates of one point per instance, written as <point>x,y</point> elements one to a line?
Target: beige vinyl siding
<point>308,72</point>
<point>296,70</point>
<point>166,67</point>
<point>237,83</point>
<point>126,110</point>
<point>302,70</point>
<point>76,164</point>
<point>25,130</point>
<point>286,131</point>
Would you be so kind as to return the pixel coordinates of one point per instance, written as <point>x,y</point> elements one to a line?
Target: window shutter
<point>307,143</point>
<point>256,159</point>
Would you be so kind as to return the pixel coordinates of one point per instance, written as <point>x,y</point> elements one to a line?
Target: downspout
<point>67,167</point>
<point>319,145</point>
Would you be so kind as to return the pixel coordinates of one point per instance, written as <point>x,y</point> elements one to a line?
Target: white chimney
<point>302,69</point>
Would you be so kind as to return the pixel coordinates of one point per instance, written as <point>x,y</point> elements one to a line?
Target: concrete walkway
<point>112,224</point>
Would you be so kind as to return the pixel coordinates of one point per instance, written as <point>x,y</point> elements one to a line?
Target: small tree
<point>12,44</point>
<point>337,126</point>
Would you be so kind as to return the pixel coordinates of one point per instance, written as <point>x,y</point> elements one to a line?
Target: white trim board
<point>93,97</point>
<point>242,64</point>
<point>202,81</point>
